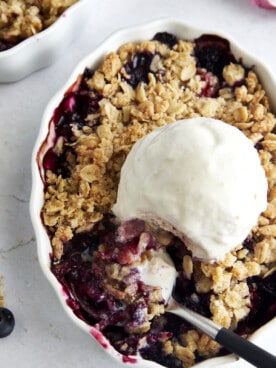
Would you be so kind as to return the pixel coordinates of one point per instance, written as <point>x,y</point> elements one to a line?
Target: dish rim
<point>139,32</point>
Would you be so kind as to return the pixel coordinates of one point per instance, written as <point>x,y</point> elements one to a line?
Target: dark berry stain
<point>74,109</point>
<point>167,38</point>
<point>80,276</point>
<point>58,163</point>
<point>154,353</point>
<point>6,45</point>
<point>185,293</point>
<point>212,84</point>
<point>259,146</point>
<point>249,243</point>
<point>138,68</point>
<point>213,54</point>
<point>263,303</point>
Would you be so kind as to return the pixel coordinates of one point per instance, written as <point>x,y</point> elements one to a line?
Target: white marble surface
<point>44,336</point>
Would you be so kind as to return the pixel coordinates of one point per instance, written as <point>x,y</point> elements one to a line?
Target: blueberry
<point>138,68</point>
<point>249,243</point>
<point>259,146</point>
<point>6,322</point>
<point>5,45</point>
<point>167,38</point>
<point>213,53</point>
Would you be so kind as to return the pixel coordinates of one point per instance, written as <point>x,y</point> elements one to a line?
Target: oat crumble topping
<point>123,110</point>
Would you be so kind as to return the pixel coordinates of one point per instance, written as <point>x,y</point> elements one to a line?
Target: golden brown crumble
<point>125,114</point>
<point>21,19</point>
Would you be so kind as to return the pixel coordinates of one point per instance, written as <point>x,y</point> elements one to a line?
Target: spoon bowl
<point>227,338</point>
<point>230,340</point>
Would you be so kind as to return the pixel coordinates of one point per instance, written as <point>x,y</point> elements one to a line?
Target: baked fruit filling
<point>138,88</point>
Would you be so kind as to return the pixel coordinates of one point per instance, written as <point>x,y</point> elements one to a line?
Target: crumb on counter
<point>2,301</point>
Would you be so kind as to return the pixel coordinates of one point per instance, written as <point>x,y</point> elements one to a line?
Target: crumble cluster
<point>175,89</point>
<point>21,19</point>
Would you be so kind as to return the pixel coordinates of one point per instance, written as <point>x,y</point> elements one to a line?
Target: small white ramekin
<point>43,48</point>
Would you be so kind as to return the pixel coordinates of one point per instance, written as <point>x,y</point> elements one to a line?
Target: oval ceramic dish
<point>264,336</point>
<point>42,49</point>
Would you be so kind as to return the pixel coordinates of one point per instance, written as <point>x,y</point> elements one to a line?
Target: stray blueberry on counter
<point>6,322</point>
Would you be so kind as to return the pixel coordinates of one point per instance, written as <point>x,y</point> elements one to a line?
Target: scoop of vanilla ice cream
<point>159,271</point>
<point>199,178</point>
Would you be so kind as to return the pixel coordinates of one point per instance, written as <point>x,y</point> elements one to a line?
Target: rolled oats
<point>233,73</point>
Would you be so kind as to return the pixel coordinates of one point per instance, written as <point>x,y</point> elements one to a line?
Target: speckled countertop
<point>44,336</point>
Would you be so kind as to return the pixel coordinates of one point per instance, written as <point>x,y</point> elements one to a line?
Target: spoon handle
<point>245,349</point>
<point>230,340</point>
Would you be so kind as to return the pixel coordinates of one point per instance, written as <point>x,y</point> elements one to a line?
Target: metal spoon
<point>165,270</point>
<point>230,340</point>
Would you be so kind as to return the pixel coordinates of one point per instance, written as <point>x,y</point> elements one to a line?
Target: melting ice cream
<point>199,178</point>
